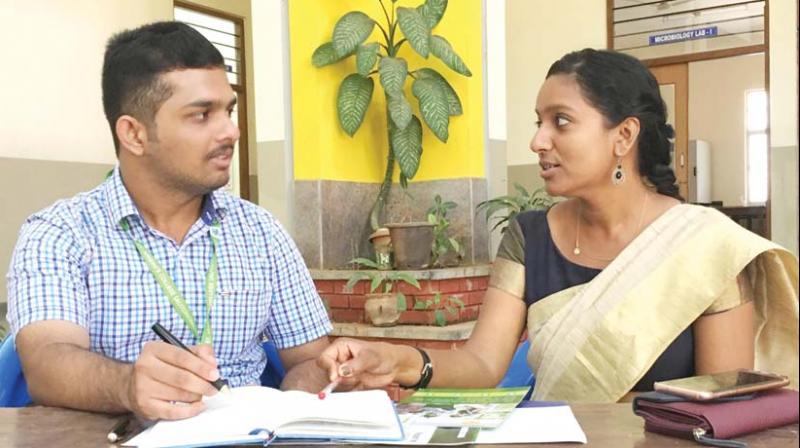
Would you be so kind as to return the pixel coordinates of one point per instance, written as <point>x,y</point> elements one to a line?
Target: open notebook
<point>253,414</point>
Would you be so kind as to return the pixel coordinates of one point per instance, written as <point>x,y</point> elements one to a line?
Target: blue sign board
<point>680,36</point>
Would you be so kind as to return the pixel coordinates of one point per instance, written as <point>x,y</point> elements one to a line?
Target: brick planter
<point>467,283</point>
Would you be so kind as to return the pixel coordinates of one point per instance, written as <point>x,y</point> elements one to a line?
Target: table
<point>605,425</point>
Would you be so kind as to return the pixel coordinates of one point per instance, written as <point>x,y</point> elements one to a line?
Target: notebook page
<point>230,417</point>
<point>350,414</point>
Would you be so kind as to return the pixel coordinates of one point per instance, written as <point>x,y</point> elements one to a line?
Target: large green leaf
<point>433,106</point>
<point>355,278</point>
<point>405,277</point>
<point>325,55</point>
<point>439,318</point>
<point>432,11</point>
<point>399,110</point>
<point>415,28</point>
<point>403,180</point>
<point>393,73</point>
<point>453,102</point>
<point>375,283</point>
<point>355,93</point>
<point>366,55</point>
<point>350,31</point>
<point>442,49</point>
<point>402,304</point>
<point>364,262</point>
<point>407,146</point>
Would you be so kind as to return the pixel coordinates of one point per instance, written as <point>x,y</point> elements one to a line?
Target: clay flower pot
<point>381,309</point>
<point>412,244</point>
<point>382,244</point>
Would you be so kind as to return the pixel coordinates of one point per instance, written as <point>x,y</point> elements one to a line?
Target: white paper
<point>536,425</point>
<point>550,424</point>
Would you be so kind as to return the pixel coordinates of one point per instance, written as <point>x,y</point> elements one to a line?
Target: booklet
<point>474,408</point>
<point>532,422</point>
<point>256,414</point>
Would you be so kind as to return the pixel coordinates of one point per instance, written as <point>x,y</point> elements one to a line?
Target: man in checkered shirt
<point>81,297</point>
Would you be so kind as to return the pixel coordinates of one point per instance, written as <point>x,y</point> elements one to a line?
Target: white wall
<point>269,68</point>
<point>51,79</point>
<point>717,90</point>
<point>538,32</point>
<point>272,95</point>
<point>51,85</point>
<point>496,68</point>
<point>783,98</point>
<point>783,72</point>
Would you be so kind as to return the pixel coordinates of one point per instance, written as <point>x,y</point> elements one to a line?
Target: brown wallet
<point>711,422</point>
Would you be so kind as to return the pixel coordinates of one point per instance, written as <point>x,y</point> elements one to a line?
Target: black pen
<point>120,429</point>
<point>219,384</point>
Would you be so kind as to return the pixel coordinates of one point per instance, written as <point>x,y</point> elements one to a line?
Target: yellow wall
<point>323,151</point>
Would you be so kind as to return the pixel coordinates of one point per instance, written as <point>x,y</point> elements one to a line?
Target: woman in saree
<point>621,284</point>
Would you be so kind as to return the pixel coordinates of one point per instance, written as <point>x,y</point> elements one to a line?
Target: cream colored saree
<point>593,342</point>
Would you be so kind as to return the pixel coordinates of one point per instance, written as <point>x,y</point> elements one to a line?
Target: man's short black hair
<point>134,61</point>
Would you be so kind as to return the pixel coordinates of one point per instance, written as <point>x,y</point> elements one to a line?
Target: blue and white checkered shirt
<point>74,262</point>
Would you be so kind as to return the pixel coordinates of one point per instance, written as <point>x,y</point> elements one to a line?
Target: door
<point>674,83</point>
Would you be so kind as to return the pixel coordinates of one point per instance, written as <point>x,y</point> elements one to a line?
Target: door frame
<point>678,75</point>
<point>654,63</point>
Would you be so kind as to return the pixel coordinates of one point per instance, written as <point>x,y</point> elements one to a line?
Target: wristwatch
<point>425,374</point>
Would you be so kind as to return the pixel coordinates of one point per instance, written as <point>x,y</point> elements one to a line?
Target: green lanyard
<point>171,291</point>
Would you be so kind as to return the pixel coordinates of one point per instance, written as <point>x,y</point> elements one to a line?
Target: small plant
<point>381,59</point>
<point>383,281</point>
<point>507,207</point>
<point>443,244</point>
<point>452,305</point>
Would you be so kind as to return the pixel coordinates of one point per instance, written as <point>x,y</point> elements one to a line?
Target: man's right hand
<point>167,382</point>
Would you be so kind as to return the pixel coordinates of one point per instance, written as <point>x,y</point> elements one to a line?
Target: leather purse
<point>712,422</point>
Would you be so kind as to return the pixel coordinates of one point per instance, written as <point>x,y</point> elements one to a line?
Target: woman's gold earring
<point>618,176</point>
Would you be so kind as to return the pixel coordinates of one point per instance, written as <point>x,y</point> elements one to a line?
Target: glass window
<point>757,146</point>
<point>223,33</point>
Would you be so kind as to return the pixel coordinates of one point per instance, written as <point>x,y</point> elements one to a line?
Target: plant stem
<point>385,13</point>
<point>397,47</point>
<point>386,186</point>
<point>385,36</point>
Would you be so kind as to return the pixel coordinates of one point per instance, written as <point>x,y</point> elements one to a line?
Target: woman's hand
<point>360,364</point>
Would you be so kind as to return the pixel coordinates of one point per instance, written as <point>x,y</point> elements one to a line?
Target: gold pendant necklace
<point>577,249</point>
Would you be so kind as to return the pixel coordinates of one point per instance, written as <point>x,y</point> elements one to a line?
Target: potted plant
<point>507,207</point>
<point>411,243</point>
<point>452,305</point>
<point>384,307</point>
<point>446,250</point>
<point>437,99</point>
<point>382,245</point>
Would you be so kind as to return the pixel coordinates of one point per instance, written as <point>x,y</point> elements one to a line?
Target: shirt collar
<point>213,208</point>
<point>122,205</point>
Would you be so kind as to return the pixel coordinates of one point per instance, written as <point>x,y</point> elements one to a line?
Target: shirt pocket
<point>242,307</point>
